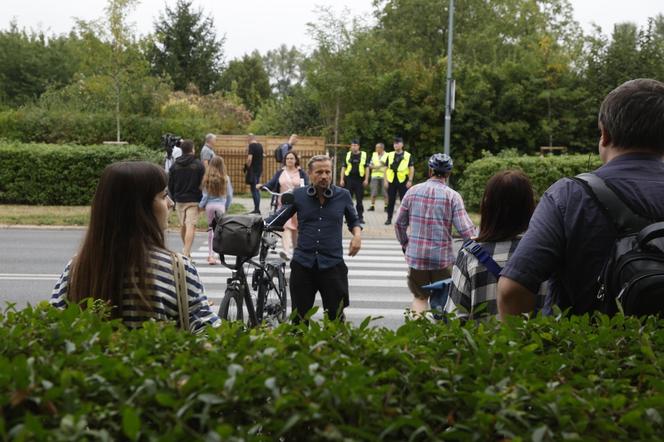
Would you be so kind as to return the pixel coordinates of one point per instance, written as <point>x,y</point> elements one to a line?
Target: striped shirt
<point>474,288</point>
<point>163,300</point>
<point>430,209</point>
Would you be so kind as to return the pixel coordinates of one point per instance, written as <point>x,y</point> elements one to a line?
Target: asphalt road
<point>32,259</point>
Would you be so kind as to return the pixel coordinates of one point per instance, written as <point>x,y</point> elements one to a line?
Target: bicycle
<point>268,280</point>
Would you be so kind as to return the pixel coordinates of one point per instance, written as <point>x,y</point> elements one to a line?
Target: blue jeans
<point>255,193</point>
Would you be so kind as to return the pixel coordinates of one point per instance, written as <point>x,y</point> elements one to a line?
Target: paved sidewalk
<point>374,221</point>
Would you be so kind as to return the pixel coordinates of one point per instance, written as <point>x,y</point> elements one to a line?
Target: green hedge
<point>72,376</point>
<point>43,126</point>
<point>543,171</point>
<point>58,174</point>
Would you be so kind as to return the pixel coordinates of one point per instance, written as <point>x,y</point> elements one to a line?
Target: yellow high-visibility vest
<point>402,169</point>
<point>362,165</point>
<point>378,172</point>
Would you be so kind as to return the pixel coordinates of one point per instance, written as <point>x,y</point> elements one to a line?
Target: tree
<point>31,62</point>
<point>120,40</point>
<point>186,49</point>
<point>248,79</point>
<point>284,67</point>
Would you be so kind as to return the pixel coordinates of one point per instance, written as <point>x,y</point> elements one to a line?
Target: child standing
<point>217,196</point>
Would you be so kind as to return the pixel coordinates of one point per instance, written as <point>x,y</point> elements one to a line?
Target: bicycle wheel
<point>271,299</point>
<point>231,305</point>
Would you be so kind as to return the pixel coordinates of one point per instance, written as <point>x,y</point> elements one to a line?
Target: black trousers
<point>356,188</point>
<point>392,190</point>
<point>332,284</point>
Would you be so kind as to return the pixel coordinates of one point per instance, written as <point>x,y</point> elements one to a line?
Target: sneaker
<point>388,222</point>
<point>372,208</point>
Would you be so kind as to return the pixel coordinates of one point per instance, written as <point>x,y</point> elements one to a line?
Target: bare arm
<point>356,241</point>
<point>513,298</point>
<point>248,162</point>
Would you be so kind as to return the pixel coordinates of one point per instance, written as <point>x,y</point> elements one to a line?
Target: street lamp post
<point>449,93</point>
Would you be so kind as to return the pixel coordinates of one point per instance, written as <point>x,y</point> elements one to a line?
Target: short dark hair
<point>632,115</point>
<point>317,159</point>
<point>507,205</point>
<point>187,146</point>
<point>297,157</point>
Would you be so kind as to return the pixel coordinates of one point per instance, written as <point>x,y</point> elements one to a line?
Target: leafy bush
<point>542,171</point>
<point>58,174</point>
<point>67,375</point>
<point>33,124</point>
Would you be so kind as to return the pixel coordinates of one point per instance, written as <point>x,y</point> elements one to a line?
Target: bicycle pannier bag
<point>238,235</point>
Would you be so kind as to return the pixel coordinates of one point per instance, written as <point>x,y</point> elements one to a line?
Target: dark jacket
<point>274,185</point>
<point>185,178</point>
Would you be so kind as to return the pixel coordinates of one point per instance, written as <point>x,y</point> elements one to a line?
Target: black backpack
<point>279,152</point>
<point>633,275</point>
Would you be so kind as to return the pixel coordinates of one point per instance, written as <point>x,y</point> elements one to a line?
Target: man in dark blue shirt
<point>318,263</point>
<point>569,237</point>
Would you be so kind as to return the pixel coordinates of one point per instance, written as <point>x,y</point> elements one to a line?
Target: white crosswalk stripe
<point>376,277</point>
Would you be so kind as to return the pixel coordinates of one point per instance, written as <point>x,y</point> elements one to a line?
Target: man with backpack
<point>584,228</point>
<point>281,151</point>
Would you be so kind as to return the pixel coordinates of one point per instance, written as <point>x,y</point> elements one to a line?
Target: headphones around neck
<point>311,191</point>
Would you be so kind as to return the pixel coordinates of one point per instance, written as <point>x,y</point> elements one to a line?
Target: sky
<point>266,24</point>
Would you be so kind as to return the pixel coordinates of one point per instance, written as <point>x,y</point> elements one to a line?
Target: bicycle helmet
<point>441,162</point>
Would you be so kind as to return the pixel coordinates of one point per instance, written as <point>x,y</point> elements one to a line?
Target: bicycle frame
<point>239,277</point>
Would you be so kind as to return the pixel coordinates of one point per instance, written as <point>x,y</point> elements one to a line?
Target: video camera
<point>169,141</point>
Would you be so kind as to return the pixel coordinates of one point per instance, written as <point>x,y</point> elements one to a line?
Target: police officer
<point>355,175</point>
<point>398,176</point>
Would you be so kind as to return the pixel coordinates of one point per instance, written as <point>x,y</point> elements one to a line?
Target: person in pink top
<point>288,178</point>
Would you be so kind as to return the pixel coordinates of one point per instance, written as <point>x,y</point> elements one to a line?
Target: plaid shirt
<point>474,288</point>
<point>430,209</point>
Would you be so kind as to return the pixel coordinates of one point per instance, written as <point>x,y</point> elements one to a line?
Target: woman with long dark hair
<point>507,205</point>
<point>123,260</point>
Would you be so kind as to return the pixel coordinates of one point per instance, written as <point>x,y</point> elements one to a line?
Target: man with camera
<point>318,263</point>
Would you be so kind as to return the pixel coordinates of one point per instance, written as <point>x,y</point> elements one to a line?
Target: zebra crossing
<point>376,278</point>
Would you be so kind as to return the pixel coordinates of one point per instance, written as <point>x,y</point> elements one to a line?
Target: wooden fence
<point>233,148</point>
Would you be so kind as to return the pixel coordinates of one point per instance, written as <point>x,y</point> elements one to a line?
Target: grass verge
<point>73,215</point>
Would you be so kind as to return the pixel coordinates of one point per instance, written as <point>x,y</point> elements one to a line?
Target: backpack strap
<point>622,216</point>
<point>482,256</point>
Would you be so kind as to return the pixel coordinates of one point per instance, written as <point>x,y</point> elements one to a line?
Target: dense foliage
<point>526,75</point>
<point>59,175</point>
<point>71,376</point>
<point>542,171</point>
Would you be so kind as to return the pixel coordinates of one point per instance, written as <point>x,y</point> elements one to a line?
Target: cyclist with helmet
<point>431,209</point>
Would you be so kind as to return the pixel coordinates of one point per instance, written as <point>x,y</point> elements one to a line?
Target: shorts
<point>418,278</point>
<point>187,213</point>
<point>376,186</point>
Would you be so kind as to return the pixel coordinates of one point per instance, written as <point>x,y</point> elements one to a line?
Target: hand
<point>409,184</point>
<point>365,183</point>
<point>342,183</point>
<point>259,186</point>
<point>355,245</point>
<point>386,184</point>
